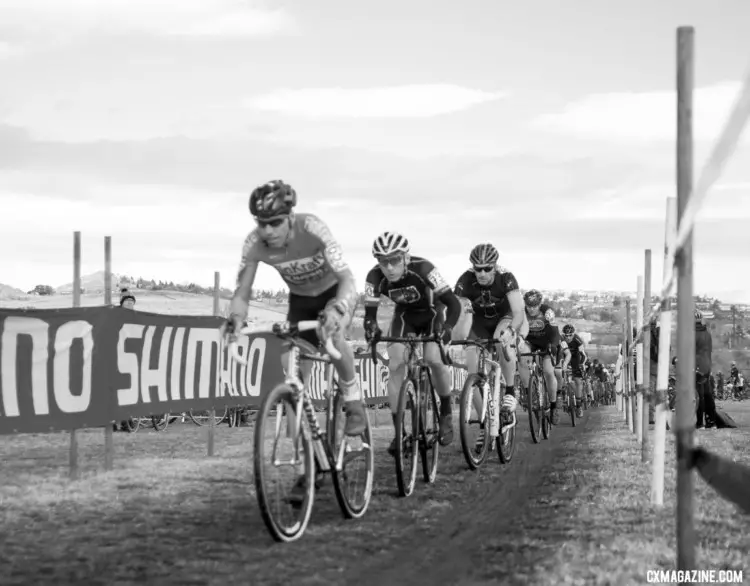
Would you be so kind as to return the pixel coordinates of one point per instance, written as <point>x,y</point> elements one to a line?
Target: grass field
<point>572,510</point>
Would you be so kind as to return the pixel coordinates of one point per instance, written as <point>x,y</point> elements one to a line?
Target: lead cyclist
<point>321,284</point>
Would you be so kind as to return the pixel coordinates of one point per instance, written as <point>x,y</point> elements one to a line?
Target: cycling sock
<point>350,390</point>
<point>510,391</point>
<point>445,406</point>
<point>553,405</point>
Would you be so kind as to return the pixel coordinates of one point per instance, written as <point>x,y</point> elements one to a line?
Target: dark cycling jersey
<point>489,302</point>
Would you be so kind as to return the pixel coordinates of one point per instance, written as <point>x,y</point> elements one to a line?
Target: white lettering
<point>207,338</point>
<point>127,363</point>
<point>253,377</point>
<point>66,401</point>
<point>38,330</point>
<point>174,379</point>
<point>155,377</point>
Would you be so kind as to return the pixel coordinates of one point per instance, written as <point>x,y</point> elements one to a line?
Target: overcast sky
<point>545,127</point>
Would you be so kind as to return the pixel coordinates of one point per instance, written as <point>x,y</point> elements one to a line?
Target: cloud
<point>233,18</point>
<point>726,201</point>
<point>647,116</point>
<point>409,101</point>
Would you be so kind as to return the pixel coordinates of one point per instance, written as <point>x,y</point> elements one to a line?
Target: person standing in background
<point>127,299</point>
<point>706,408</point>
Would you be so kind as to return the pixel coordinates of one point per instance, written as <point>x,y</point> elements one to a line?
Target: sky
<point>547,128</point>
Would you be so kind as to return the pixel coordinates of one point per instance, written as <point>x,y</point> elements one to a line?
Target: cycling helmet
<point>483,254</point>
<point>532,298</point>
<point>389,243</point>
<point>569,330</point>
<point>272,199</point>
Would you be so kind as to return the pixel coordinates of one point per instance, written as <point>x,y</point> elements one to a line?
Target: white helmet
<point>389,243</point>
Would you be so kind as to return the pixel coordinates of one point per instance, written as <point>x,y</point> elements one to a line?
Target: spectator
<point>127,300</point>
<point>706,412</point>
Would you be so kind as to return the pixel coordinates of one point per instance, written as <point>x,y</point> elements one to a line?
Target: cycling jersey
<point>575,345</point>
<point>600,373</point>
<point>543,332</point>
<point>309,261</point>
<point>489,302</point>
<point>415,291</point>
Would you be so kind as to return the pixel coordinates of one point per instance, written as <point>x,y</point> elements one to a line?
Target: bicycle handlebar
<point>483,344</point>
<point>410,340</point>
<point>283,330</point>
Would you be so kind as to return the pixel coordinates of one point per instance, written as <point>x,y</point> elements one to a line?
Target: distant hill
<point>92,282</point>
<point>8,292</point>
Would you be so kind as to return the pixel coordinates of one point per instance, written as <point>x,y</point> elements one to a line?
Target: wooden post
<point>662,381</point>
<point>646,395</point>
<point>109,449</point>
<point>73,450</point>
<point>628,364</point>
<point>623,402</point>
<point>685,419</point>
<point>639,365</point>
<point>211,441</point>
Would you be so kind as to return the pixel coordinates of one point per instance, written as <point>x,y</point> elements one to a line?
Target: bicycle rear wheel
<point>544,407</point>
<point>572,408</point>
<point>201,418</point>
<point>506,441</point>
<point>429,430</point>
<point>132,424</point>
<point>276,422</point>
<point>535,415</point>
<point>353,483</point>
<point>475,450</point>
<point>407,426</point>
<point>160,422</point>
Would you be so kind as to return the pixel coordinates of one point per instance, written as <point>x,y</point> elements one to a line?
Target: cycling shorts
<point>485,328</point>
<point>306,308</point>
<point>417,323</point>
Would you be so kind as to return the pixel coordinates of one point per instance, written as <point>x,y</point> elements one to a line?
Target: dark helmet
<point>483,254</point>
<point>569,330</point>
<point>272,199</point>
<point>533,298</point>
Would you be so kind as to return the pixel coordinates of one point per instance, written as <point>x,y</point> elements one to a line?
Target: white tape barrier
<point>722,151</point>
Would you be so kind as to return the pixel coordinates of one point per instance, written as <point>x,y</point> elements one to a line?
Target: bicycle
<point>488,380</point>
<point>568,398</point>
<point>317,450</point>
<point>537,400</point>
<point>416,390</point>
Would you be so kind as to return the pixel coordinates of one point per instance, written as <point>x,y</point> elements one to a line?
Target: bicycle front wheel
<point>474,442</point>
<point>544,407</point>
<point>534,409</point>
<point>353,482</point>
<point>429,428</point>
<point>572,408</point>
<point>407,429</point>
<point>201,418</point>
<point>283,446</point>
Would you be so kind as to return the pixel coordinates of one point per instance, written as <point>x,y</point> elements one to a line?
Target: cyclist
<point>562,359</point>
<point>577,360</point>
<point>540,333</point>
<point>415,286</point>
<point>600,374</point>
<point>306,255</point>
<point>496,310</point>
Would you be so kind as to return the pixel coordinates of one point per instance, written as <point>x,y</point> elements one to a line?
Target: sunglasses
<point>487,269</point>
<point>273,223</point>
<point>392,261</point>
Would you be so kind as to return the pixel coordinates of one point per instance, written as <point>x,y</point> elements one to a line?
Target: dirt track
<point>169,516</point>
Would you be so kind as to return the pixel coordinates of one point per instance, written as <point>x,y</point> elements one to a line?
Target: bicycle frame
<point>483,360</point>
<point>324,455</point>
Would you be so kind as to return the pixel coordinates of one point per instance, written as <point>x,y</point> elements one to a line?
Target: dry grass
<point>574,510</point>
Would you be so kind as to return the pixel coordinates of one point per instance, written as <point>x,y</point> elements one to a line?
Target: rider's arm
<point>372,297</point>
<point>444,293</point>
<point>460,291</point>
<point>566,354</point>
<point>245,279</point>
<point>515,299</point>
<point>334,255</point>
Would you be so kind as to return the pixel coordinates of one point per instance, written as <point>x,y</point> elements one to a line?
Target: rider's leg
<point>548,371</point>
<point>508,367</point>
